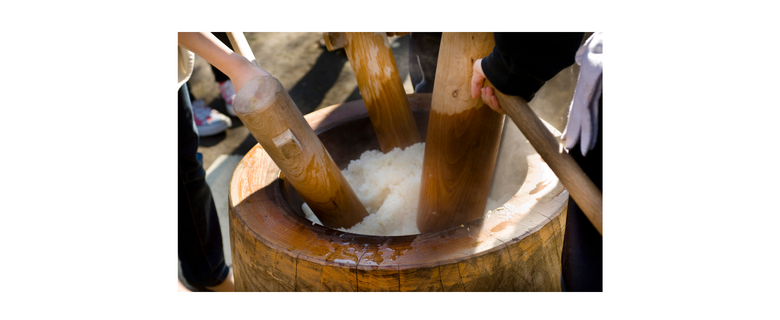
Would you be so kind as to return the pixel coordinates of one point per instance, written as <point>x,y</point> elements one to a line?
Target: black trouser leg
<point>199,236</point>
<point>582,260</point>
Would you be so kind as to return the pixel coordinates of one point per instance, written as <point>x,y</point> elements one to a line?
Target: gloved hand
<point>584,109</point>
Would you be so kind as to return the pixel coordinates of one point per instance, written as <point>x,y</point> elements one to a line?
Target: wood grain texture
<point>382,89</point>
<point>268,112</point>
<point>515,248</point>
<point>463,139</point>
<point>582,189</point>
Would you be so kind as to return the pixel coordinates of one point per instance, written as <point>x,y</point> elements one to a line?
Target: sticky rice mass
<point>388,185</point>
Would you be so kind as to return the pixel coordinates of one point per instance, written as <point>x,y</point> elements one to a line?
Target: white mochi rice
<point>388,185</point>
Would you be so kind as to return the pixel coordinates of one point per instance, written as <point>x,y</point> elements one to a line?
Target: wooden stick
<point>462,140</point>
<point>269,113</point>
<point>241,46</point>
<point>380,85</point>
<point>580,187</point>
<point>235,66</point>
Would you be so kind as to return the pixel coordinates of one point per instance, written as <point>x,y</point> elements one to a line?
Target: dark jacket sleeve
<point>521,62</point>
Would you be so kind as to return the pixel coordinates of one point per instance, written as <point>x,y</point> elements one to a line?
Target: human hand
<point>584,108</point>
<point>488,97</point>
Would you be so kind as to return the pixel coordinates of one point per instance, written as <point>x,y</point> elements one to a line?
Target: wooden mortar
<point>269,113</point>
<point>274,248</point>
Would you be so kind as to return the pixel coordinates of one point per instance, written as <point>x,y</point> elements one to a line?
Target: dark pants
<point>581,261</point>
<point>200,238</point>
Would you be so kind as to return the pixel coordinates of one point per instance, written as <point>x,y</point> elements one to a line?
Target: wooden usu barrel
<point>514,248</point>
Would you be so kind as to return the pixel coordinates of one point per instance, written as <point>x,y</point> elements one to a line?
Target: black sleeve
<point>521,62</point>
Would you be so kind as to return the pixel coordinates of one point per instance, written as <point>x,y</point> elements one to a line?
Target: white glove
<point>584,109</point>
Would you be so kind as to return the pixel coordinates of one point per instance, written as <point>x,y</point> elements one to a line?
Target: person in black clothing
<point>519,65</point>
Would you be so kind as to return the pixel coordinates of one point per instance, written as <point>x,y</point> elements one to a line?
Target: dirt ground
<point>314,77</point>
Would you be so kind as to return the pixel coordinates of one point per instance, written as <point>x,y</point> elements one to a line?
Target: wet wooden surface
<point>515,248</point>
<point>583,190</point>
<point>269,113</point>
<point>463,138</point>
<point>382,89</point>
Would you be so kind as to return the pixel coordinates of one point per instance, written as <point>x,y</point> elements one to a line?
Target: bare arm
<point>208,47</point>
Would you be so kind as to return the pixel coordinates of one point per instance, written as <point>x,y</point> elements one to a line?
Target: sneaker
<point>208,121</point>
<point>228,94</point>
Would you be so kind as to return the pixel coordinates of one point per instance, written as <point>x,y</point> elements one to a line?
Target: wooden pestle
<point>241,46</point>
<point>463,138</point>
<point>380,85</point>
<point>269,113</point>
<point>580,187</point>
